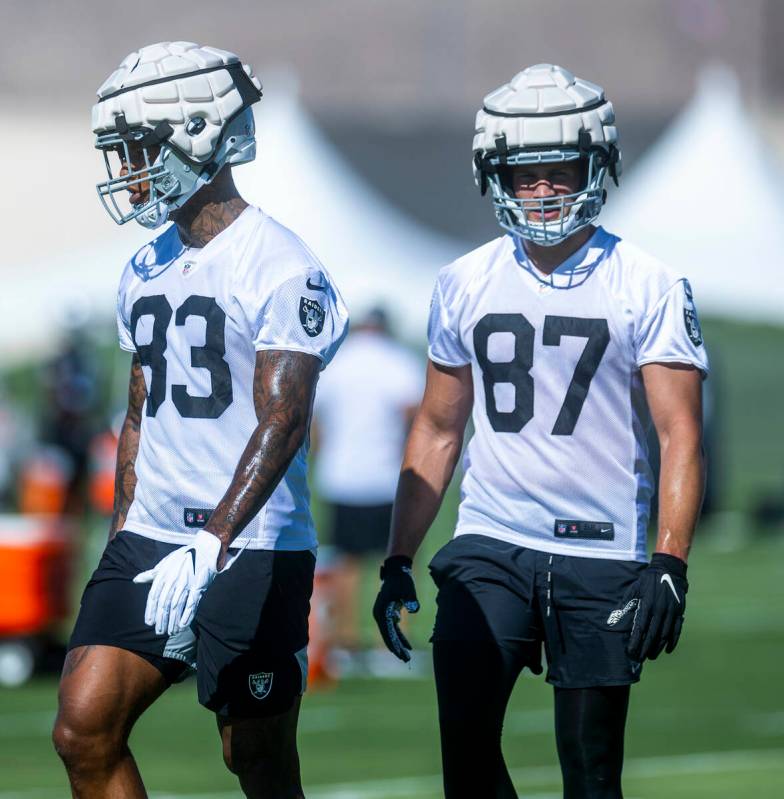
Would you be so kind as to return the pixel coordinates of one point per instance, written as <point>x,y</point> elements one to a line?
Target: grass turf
<point>705,722</point>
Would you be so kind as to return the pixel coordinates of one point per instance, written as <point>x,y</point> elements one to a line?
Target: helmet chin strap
<point>155,216</point>
<point>158,212</point>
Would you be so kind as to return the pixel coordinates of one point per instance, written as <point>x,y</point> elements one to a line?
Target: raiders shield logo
<point>260,684</point>
<point>690,316</point>
<point>311,314</point>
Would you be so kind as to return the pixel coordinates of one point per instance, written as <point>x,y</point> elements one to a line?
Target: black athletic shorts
<point>519,598</point>
<point>248,642</point>
<point>361,529</point>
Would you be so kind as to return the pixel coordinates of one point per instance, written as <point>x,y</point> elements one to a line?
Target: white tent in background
<point>374,252</point>
<point>64,258</point>
<point>706,199</point>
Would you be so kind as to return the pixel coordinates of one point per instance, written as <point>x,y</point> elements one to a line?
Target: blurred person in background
<point>563,343</point>
<point>364,407</point>
<point>16,442</point>
<point>229,319</point>
<point>71,414</point>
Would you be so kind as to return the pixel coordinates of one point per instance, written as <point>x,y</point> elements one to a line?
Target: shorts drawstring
<point>549,584</point>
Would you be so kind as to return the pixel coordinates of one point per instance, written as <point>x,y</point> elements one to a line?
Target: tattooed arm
<point>127,447</point>
<point>284,386</point>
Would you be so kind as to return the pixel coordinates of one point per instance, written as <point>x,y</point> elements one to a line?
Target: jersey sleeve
<point>444,345</point>
<point>304,314</point>
<point>123,325</point>
<point>671,332</point>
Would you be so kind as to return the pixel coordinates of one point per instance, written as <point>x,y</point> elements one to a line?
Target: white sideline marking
<point>696,763</point>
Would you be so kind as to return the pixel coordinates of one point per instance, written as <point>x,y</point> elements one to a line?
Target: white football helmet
<point>184,111</point>
<point>546,115</point>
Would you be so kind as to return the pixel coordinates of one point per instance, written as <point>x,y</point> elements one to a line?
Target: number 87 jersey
<point>558,461</point>
<point>196,319</point>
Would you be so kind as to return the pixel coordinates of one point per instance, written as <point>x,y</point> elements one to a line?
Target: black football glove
<point>660,595</point>
<point>397,591</point>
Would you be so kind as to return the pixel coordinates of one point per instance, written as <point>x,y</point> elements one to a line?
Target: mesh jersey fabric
<point>197,317</point>
<point>361,407</point>
<point>560,416</point>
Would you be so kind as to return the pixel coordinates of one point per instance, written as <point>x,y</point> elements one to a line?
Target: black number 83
<point>209,356</point>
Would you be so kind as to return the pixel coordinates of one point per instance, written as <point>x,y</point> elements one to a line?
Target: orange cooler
<point>36,554</point>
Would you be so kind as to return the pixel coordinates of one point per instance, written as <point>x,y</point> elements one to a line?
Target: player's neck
<point>210,211</point>
<point>548,259</point>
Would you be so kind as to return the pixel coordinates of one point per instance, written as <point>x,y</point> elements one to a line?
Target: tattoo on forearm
<point>127,448</point>
<point>283,390</point>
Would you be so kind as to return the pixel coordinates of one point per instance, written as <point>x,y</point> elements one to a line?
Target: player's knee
<point>82,749</point>
<point>266,765</point>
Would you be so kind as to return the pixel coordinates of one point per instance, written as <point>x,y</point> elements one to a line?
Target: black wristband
<point>669,563</point>
<point>395,563</point>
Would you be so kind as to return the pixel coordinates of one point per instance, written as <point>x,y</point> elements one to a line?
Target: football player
<point>562,342</point>
<point>229,319</point>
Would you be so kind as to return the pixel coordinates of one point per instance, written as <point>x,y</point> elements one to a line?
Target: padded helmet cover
<point>192,103</point>
<point>544,106</point>
<point>175,82</point>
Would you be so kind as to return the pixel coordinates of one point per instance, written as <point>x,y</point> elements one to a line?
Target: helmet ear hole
<point>195,126</point>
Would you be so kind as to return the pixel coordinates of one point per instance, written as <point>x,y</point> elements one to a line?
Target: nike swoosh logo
<point>665,578</point>
<point>314,287</point>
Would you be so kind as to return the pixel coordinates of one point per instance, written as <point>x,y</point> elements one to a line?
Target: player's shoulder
<point>474,266</point>
<point>639,266</point>
<point>271,249</point>
<point>637,274</point>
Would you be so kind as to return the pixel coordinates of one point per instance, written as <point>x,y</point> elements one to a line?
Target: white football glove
<point>178,583</point>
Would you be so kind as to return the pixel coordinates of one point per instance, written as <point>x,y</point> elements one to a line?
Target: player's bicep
<point>284,386</point>
<point>674,395</point>
<point>448,399</point>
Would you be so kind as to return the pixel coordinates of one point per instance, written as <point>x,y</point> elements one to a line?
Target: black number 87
<point>517,371</point>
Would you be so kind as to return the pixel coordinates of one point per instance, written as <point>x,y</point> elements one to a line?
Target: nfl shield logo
<point>260,684</point>
<point>311,314</point>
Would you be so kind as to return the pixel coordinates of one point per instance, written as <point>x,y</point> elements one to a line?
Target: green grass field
<point>706,722</point>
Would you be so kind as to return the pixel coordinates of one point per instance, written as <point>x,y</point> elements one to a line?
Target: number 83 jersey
<point>196,318</point>
<point>558,460</point>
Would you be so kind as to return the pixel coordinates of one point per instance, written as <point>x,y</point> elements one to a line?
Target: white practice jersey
<point>361,407</point>
<point>197,318</point>
<point>558,461</point>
